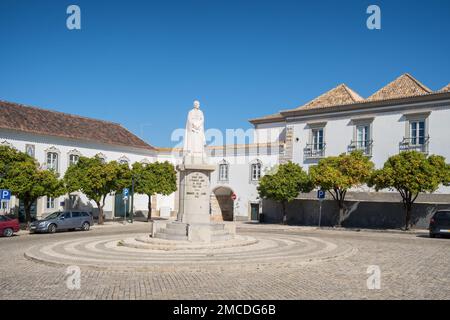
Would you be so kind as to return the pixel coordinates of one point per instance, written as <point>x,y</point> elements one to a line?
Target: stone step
<point>168,236</point>
<point>221,237</point>
<point>182,232</point>
<point>217,226</point>
<point>219,232</point>
<point>176,226</point>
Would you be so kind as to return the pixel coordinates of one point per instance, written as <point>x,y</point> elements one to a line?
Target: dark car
<point>440,224</point>
<point>66,220</point>
<point>8,226</point>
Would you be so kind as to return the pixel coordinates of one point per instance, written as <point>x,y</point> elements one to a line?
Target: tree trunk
<point>408,206</point>
<point>100,213</point>
<point>27,209</point>
<point>283,204</point>
<point>149,214</point>
<point>341,212</point>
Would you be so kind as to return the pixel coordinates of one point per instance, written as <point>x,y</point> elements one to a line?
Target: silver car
<point>66,220</point>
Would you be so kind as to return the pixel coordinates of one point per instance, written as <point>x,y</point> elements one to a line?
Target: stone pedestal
<point>194,192</point>
<point>193,220</point>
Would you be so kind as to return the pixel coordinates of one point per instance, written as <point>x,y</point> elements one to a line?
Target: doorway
<point>222,204</point>
<point>119,206</point>
<point>254,211</point>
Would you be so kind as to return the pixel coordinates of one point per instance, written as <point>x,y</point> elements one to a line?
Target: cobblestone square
<point>284,263</point>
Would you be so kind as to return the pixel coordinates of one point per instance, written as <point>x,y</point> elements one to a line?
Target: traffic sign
<point>320,194</point>
<point>125,192</point>
<point>5,195</point>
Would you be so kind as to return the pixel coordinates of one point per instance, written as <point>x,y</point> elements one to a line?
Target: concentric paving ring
<point>119,253</point>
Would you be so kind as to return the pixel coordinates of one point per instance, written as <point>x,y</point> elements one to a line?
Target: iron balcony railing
<point>314,150</point>
<point>415,144</point>
<point>365,146</point>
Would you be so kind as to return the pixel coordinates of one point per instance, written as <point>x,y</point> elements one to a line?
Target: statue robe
<point>194,139</point>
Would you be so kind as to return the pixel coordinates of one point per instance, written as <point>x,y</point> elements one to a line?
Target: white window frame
<point>224,171</point>
<point>415,139</point>
<point>315,138</point>
<point>52,161</point>
<point>255,171</point>
<point>50,203</point>
<point>124,160</point>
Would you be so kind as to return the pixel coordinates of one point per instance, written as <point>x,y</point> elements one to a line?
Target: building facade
<point>403,115</point>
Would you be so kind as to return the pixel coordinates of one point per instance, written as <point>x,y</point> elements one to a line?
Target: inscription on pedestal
<point>197,185</point>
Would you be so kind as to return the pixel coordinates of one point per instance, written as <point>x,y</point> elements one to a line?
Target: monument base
<point>200,232</point>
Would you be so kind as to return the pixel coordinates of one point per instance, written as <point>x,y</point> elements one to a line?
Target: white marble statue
<point>194,137</point>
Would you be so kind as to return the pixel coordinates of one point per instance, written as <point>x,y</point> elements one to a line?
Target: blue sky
<point>142,63</point>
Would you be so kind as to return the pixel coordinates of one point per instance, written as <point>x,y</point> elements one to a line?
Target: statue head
<point>196,104</point>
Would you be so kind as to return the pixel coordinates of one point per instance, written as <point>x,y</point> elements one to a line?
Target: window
<point>223,172</point>
<point>316,146</point>
<point>67,215</point>
<point>29,149</point>
<point>73,159</point>
<point>255,171</point>
<point>76,214</point>
<point>52,161</point>
<point>317,139</point>
<point>101,156</point>
<point>50,203</point>
<point>362,136</point>
<point>417,132</point>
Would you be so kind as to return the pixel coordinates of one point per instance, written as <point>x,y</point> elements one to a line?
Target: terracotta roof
<point>340,95</point>
<point>269,118</point>
<point>404,86</point>
<point>445,89</point>
<point>53,123</point>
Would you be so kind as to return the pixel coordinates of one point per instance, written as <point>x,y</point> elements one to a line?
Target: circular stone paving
<point>141,253</point>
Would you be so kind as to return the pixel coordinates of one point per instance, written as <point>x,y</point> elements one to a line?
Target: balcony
<point>415,144</point>
<point>314,151</point>
<point>364,146</point>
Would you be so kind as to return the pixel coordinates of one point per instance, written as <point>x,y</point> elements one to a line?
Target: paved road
<point>412,267</point>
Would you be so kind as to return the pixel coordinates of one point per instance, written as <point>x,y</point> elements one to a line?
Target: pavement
<point>286,262</point>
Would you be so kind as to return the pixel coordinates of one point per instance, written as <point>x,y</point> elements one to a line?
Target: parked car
<point>440,224</point>
<point>8,226</point>
<point>66,220</point>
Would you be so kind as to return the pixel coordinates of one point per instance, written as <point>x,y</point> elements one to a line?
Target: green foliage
<point>20,174</point>
<point>285,184</point>
<point>411,173</point>
<point>338,174</point>
<point>8,158</point>
<point>96,179</point>
<point>154,178</point>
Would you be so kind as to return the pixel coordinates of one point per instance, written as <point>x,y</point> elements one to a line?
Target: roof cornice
<point>364,105</point>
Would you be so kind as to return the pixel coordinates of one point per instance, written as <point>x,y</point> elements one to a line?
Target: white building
<point>403,115</point>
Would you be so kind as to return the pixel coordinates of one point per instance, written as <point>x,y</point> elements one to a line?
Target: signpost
<point>5,194</point>
<point>320,196</point>
<point>125,194</point>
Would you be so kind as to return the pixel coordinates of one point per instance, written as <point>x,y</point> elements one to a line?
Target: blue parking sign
<point>125,192</point>
<point>5,194</point>
<point>321,194</point>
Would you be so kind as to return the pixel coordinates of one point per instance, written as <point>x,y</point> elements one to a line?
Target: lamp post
<point>132,199</point>
<point>134,178</point>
